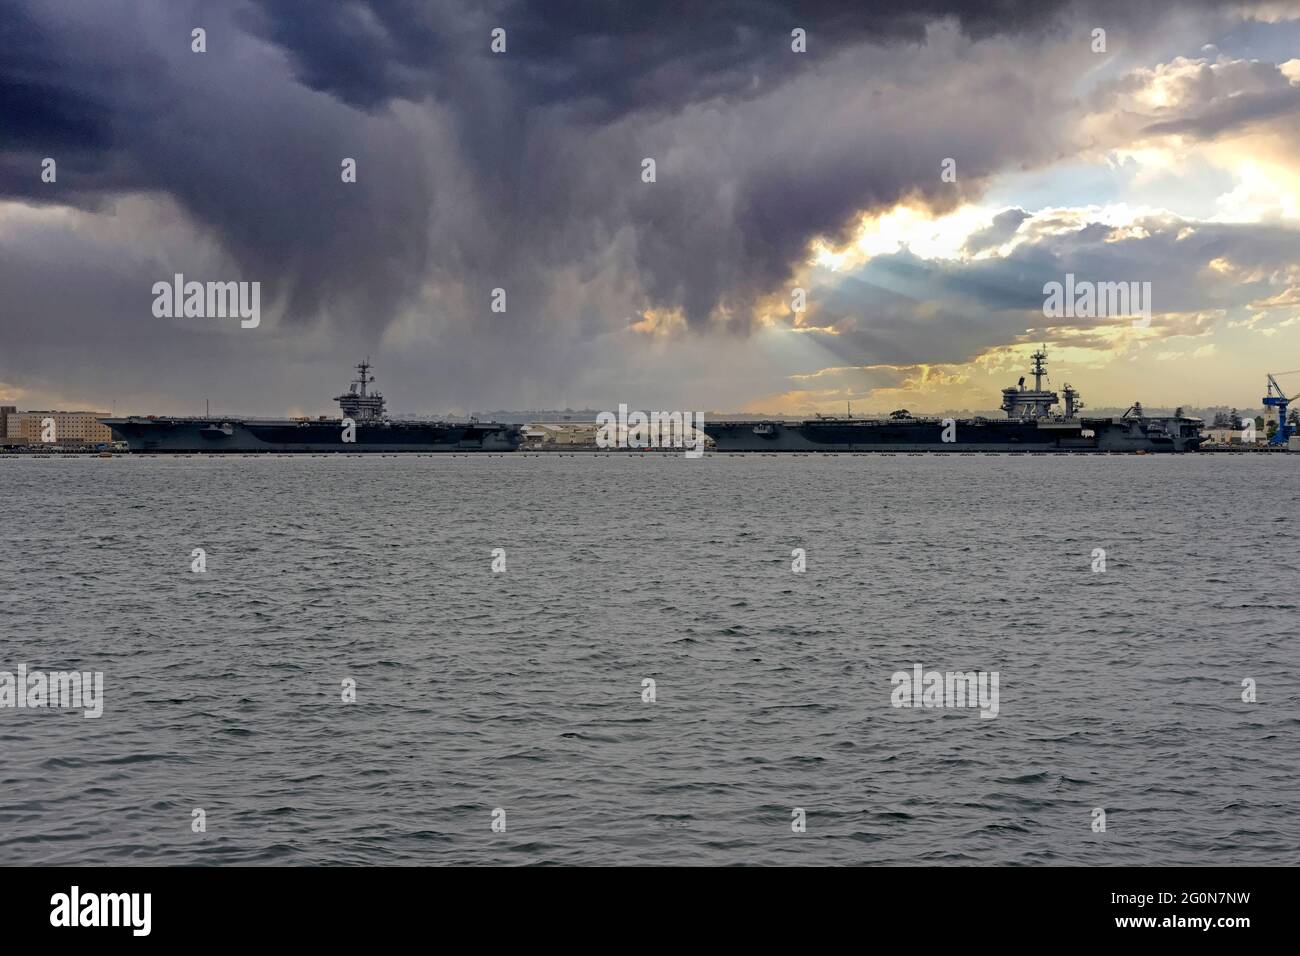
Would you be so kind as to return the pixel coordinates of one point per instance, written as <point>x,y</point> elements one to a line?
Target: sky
<point>919,172</point>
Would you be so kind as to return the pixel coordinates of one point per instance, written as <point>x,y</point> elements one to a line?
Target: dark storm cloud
<point>114,89</point>
<point>115,95</point>
<point>555,131</point>
<point>42,110</point>
<point>519,171</point>
<point>608,57</point>
<point>528,122</point>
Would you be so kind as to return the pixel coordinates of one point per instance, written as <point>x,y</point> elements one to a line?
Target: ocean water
<point>522,690</point>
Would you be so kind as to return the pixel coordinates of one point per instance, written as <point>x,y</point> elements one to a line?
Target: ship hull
<point>227,436</point>
<point>967,435</point>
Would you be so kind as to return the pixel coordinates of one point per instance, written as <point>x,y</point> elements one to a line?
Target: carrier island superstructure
<point>363,427</point>
<point>1031,425</point>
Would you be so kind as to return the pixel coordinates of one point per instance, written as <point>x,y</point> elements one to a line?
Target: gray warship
<point>1030,425</point>
<point>364,427</point>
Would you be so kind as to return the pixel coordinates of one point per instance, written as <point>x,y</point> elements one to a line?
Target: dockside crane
<point>1276,398</point>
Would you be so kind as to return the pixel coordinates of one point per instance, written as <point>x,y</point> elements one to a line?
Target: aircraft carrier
<point>1030,426</point>
<point>364,427</point>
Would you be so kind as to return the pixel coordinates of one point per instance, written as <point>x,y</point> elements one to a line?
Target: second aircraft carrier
<point>1030,425</point>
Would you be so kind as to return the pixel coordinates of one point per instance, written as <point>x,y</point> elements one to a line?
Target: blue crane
<point>1276,398</point>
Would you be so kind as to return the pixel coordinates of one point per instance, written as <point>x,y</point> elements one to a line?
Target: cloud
<point>1190,99</point>
<point>1003,228</point>
<point>899,309</point>
<point>522,171</point>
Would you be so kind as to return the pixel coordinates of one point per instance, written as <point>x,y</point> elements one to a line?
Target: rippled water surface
<point>522,690</point>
